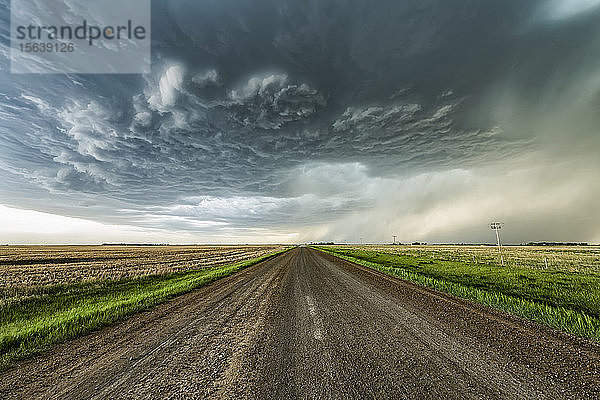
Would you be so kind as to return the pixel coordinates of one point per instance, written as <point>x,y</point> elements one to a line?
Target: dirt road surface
<point>307,325</point>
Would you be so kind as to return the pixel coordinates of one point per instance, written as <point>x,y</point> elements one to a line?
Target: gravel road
<point>308,325</point>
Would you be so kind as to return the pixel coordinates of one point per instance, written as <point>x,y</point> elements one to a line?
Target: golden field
<point>27,266</point>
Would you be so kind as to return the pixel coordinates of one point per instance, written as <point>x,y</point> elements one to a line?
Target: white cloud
<point>142,115</point>
<point>360,118</point>
<point>259,211</point>
<point>169,86</point>
<point>270,102</point>
<point>21,226</point>
<point>41,104</point>
<point>227,207</point>
<point>29,226</point>
<point>90,126</point>
<point>563,9</point>
<point>207,78</point>
<point>258,86</point>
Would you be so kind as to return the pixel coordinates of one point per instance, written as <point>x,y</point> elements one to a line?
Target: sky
<point>338,120</point>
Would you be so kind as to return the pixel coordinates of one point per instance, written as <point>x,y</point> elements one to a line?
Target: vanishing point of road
<point>307,325</point>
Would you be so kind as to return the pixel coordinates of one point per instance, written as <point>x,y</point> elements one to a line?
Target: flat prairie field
<point>27,266</point>
<point>583,259</point>
<point>555,286</point>
<point>49,294</point>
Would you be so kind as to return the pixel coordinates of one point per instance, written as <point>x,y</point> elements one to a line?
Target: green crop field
<point>584,259</point>
<point>558,287</point>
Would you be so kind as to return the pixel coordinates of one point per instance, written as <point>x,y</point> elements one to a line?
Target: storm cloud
<point>322,120</point>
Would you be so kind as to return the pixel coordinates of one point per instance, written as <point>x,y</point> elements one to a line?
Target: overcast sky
<point>290,121</point>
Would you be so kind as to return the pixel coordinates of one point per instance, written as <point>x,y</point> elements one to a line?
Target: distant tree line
<point>557,244</point>
<point>135,244</point>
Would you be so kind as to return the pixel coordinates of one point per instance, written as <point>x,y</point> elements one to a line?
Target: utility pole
<point>496,226</point>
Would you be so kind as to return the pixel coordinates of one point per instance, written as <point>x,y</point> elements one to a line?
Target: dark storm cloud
<point>245,140</point>
<point>248,98</point>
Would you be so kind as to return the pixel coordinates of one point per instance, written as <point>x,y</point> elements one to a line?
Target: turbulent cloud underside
<point>328,121</point>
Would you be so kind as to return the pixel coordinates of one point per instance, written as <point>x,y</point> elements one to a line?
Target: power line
<point>496,226</point>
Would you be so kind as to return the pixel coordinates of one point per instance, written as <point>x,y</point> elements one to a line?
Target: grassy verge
<point>33,322</point>
<point>561,300</point>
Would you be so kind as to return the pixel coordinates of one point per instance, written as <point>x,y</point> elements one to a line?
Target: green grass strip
<point>561,300</point>
<point>49,315</point>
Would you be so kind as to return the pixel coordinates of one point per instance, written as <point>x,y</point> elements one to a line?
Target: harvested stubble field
<point>49,294</point>
<point>27,266</point>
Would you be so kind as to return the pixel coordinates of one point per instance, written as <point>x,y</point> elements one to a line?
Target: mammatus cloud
<point>419,138</point>
<point>171,135</point>
<point>170,85</point>
<point>330,122</point>
<point>207,78</point>
<point>270,102</point>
